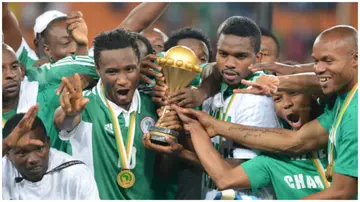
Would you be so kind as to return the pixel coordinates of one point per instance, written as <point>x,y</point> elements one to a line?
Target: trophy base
<point>158,134</point>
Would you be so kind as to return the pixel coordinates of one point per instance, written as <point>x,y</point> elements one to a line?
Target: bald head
<point>344,34</point>
<point>156,37</point>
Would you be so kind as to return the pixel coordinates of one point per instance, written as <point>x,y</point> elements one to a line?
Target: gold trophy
<point>179,67</point>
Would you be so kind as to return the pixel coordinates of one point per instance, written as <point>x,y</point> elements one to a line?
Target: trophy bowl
<point>179,67</point>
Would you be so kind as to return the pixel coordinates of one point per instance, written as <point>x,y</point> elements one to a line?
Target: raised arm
<point>67,116</point>
<point>307,83</point>
<point>283,69</point>
<point>310,137</point>
<point>11,28</point>
<point>23,127</point>
<point>143,15</point>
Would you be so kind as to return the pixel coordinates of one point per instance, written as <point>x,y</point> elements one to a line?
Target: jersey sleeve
<point>346,162</point>
<point>257,172</point>
<point>26,55</point>
<point>260,112</point>
<point>326,119</point>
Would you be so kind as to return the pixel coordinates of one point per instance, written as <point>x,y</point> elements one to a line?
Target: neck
<point>8,105</point>
<point>126,107</point>
<point>347,88</point>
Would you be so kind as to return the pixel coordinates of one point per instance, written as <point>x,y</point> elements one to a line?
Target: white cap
<point>44,19</point>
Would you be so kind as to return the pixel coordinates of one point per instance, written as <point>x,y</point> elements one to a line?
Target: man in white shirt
<point>32,170</point>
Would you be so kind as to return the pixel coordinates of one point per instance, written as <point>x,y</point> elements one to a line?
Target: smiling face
<point>295,108</point>
<point>234,55</point>
<point>335,63</point>
<point>120,74</point>
<point>11,74</point>
<point>31,161</point>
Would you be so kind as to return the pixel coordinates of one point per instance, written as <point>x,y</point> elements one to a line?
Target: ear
<point>355,59</point>
<point>47,51</point>
<point>259,57</point>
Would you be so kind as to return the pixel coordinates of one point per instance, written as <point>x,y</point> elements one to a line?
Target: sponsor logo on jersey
<point>145,123</point>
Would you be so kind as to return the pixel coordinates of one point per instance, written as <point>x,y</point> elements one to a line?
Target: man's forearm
<point>64,122</point>
<point>276,140</point>
<point>11,29</point>
<point>143,15</point>
<point>304,83</point>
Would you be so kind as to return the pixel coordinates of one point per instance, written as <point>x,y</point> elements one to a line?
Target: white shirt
<point>72,183</point>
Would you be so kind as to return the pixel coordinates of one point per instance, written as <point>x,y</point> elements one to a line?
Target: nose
<point>320,68</point>
<point>33,159</point>
<point>122,79</point>
<point>230,62</point>
<point>287,102</point>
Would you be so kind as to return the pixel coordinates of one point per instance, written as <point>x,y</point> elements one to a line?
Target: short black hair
<point>114,39</point>
<point>265,32</point>
<point>243,27</point>
<point>45,34</point>
<point>188,33</point>
<point>149,49</point>
<point>14,121</point>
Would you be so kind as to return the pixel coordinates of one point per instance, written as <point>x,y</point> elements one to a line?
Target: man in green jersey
<point>18,96</point>
<point>106,127</point>
<point>291,177</point>
<point>336,66</point>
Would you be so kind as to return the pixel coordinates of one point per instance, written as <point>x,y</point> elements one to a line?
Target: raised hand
<point>23,127</point>
<point>187,97</point>
<point>264,85</point>
<point>160,93</point>
<point>148,69</point>
<point>77,27</point>
<point>72,100</point>
<point>190,117</point>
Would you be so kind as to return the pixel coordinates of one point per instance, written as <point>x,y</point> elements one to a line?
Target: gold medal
<point>126,179</point>
<point>329,171</point>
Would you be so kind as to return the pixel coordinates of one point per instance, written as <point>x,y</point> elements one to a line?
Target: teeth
<point>323,79</point>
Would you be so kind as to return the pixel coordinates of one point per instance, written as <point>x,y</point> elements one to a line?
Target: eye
<point>277,99</point>
<point>293,93</point>
<point>15,66</point>
<point>130,69</point>
<point>223,54</point>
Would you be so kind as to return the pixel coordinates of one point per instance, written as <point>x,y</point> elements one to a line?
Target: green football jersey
<point>26,55</point>
<point>94,142</point>
<point>346,138</point>
<point>51,73</point>
<point>291,178</point>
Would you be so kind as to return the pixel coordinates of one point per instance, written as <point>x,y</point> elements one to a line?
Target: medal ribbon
<point>320,169</point>
<point>125,155</point>
<point>338,120</point>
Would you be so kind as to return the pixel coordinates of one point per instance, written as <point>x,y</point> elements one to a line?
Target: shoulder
<point>74,60</point>
<point>59,157</point>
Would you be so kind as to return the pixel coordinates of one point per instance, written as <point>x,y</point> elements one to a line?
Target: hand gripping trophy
<point>179,66</point>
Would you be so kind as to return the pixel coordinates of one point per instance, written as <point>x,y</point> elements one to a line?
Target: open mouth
<point>123,92</point>
<point>294,120</point>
